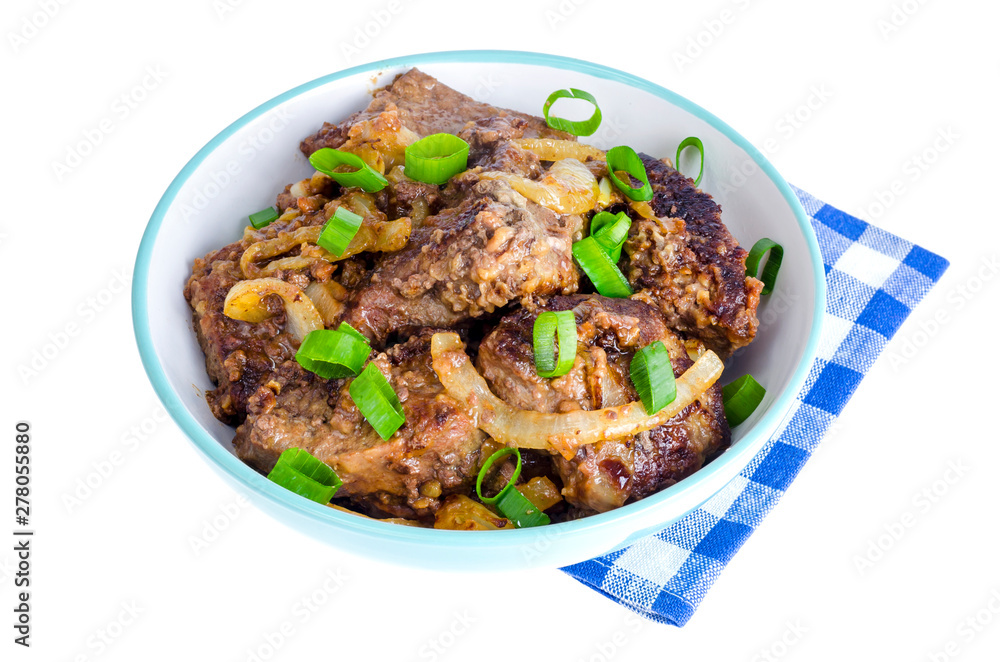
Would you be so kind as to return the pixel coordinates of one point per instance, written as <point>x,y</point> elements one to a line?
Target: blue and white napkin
<point>874,280</point>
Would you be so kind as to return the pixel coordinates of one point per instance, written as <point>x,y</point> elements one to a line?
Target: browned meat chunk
<point>688,264</point>
<point>494,248</point>
<point>426,106</point>
<point>407,197</point>
<point>490,147</point>
<point>434,453</point>
<point>606,475</point>
<point>239,356</point>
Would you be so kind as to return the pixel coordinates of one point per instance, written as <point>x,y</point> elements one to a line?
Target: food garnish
<point>333,354</point>
<point>338,232</point>
<point>601,269</point>
<point>653,377</point>
<point>330,161</point>
<point>263,218</point>
<point>740,398</point>
<point>297,470</point>
<point>436,158</point>
<point>772,265</point>
<point>373,396</point>
<point>549,327</point>
<point>509,501</point>
<point>583,128</point>
<point>691,141</point>
<point>624,159</point>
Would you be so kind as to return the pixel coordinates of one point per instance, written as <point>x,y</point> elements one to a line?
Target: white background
<point>795,591</point>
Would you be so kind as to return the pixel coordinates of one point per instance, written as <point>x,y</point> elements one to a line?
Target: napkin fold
<point>874,280</point>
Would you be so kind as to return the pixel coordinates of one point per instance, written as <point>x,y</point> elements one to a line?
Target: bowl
<point>248,163</point>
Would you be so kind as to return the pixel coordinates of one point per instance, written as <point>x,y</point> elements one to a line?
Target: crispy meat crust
<point>688,264</point>
<point>239,356</point>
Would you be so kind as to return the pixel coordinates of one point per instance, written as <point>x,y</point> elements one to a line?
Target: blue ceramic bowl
<point>243,168</point>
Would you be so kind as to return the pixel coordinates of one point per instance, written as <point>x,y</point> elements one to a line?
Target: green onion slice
<point>263,218</point>
<point>509,501</point>
<point>582,128</point>
<point>548,326</point>
<point>373,396</point>
<point>610,231</point>
<point>692,142</point>
<point>772,265</point>
<point>297,470</point>
<point>334,354</point>
<point>740,398</point>
<point>624,158</point>
<point>436,158</point>
<point>653,377</point>
<point>339,230</point>
<point>365,177</point>
<point>351,331</point>
<point>602,271</point>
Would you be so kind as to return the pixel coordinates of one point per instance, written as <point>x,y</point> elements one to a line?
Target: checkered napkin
<point>874,280</point>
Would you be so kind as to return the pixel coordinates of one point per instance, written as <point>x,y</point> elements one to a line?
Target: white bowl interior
<point>251,162</point>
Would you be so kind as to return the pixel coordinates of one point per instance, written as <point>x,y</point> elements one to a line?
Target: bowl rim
<point>322,515</point>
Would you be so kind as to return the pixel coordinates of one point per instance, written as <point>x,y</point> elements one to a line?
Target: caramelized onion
<point>551,149</point>
<point>384,236</point>
<point>564,433</point>
<point>541,492</point>
<point>290,263</point>
<point>604,195</point>
<point>567,188</point>
<point>380,141</point>
<point>460,513</point>
<point>643,209</point>
<point>381,236</point>
<point>245,301</point>
<point>324,297</point>
<point>284,242</point>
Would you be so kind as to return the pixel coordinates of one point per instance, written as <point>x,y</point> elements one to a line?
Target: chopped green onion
<point>548,325</point>
<point>740,398</point>
<point>518,509</point>
<point>436,158</point>
<point>653,377</point>
<point>610,231</point>
<point>772,265</point>
<point>373,396</point>
<point>263,218</point>
<point>334,354</point>
<point>297,470</point>
<point>351,331</point>
<point>692,142</point>
<point>581,128</point>
<point>339,230</point>
<point>602,271</point>
<point>365,177</point>
<point>509,501</point>
<point>502,453</point>
<point>624,158</point>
